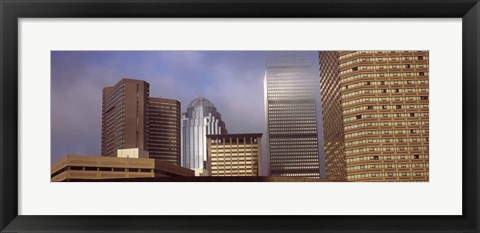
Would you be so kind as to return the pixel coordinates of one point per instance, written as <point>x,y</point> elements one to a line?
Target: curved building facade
<point>200,119</point>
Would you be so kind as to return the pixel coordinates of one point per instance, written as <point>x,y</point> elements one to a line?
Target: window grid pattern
<point>291,118</point>
<point>387,131</point>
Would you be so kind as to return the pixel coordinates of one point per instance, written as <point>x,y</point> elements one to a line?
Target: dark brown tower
<point>123,116</point>
<point>132,119</point>
<point>163,120</point>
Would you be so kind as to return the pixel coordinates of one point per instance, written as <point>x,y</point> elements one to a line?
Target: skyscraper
<point>333,137</point>
<point>291,117</point>
<point>163,132</point>
<point>382,99</point>
<point>234,154</point>
<point>200,119</point>
<point>132,119</point>
<point>124,116</point>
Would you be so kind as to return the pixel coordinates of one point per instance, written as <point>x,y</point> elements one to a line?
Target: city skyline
<point>79,76</point>
<point>224,77</point>
<point>376,105</point>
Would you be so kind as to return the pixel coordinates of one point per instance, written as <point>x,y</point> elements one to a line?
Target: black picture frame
<point>11,11</point>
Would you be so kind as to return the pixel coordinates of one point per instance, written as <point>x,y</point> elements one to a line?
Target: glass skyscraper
<point>291,90</point>
<point>200,119</point>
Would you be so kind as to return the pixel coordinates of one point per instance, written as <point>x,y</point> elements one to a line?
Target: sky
<point>231,80</point>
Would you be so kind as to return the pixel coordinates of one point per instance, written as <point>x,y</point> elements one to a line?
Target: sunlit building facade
<point>200,119</point>
<point>234,154</point>
<point>291,90</point>
<point>384,102</point>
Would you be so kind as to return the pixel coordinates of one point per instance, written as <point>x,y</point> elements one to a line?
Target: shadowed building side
<point>333,132</point>
<point>163,132</point>
<point>124,116</point>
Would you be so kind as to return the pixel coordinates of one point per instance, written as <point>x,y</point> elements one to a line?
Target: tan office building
<point>85,168</point>
<point>133,119</point>
<point>375,115</point>
<point>234,154</point>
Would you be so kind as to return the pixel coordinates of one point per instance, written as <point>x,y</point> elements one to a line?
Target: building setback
<point>200,119</point>
<point>133,119</point>
<point>234,154</point>
<point>385,115</point>
<point>291,117</point>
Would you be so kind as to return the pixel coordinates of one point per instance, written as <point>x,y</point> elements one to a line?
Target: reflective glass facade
<point>291,117</point>
<point>200,119</point>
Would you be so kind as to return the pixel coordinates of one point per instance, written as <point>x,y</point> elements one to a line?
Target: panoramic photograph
<point>240,116</point>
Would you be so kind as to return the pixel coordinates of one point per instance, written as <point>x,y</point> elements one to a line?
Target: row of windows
<point>294,131</point>
<point>297,115</point>
<point>388,174</point>
<point>296,167</point>
<point>386,115</point>
<point>386,107</point>
<point>385,123</point>
<point>386,140</point>
<point>273,108</point>
<point>383,83</point>
<point>375,91</point>
<point>284,85</point>
<point>237,155</point>
<point>291,125</point>
<point>383,132</point>
<point>303,120</point>
<point>118,91</point>
<point>382,75</point>
<point>386,157</point>
<point>303,162</point>
<point>377,59</point>
<point>383,166</point>
<point>313,142</point>
<point>379,52</point>
<point>301,174</point>
<point>296,140</point>
<point>378,67</point>
<point>220,162</point>
<point>384,99</point>
<point>386,148</point>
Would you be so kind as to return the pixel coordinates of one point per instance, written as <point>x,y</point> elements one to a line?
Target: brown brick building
<point>163,131</point>
<point>375,115</point>
<point>133,119</point>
